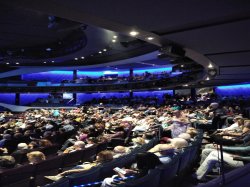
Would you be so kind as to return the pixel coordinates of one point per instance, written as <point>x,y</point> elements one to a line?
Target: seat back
<point>101,147</point>
<point>89,176</point>
<point>72,159</point>
<point>150,180</point>
<point>47,167</point>
<point>168,171</point>
<point>88,153</point>
<point>106,169</point>
<point>64,182</point>
<point>19,176</point>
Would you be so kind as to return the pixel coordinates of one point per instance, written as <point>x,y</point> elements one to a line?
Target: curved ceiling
<point>218,30</point>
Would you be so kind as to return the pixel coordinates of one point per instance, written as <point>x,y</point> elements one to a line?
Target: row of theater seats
<point>161,176</point>
<point>33,174</point>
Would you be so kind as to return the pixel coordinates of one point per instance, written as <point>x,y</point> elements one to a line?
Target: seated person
<point>102,157</point>
<point>120,151</point>
<point>78,145</point>
<point>35,157</point>
<point>7,162</point>
<point>144,163</point>
<point>210,159</point>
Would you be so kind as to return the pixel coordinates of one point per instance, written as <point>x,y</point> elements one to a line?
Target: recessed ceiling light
<point>104,49</point>
<point>52,61</point>
<point>76,58</point>
<point>182,65</point>
<point>17,62</point>
<point>82,57</point>
<point>150,38</point>
<point>7,63</point>
<point>210,65</point>
<point>185,85</point>
<point>48,49</point>
<point>134,33</point>
<point>159,88</point>
<point>207,79</point>
<point>115,36</point>
<point>113,41</point>
<point>100,52</point>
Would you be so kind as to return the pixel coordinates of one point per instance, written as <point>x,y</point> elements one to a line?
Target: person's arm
<point>242,158</point>
<point>237,149</point>
<point>72,171</point>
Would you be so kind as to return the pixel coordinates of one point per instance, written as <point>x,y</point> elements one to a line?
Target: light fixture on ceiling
<point>17,62</point>
<point>134,33</point>
<point>185,85</point>
<point>82,57</point>
<point>104,49</point>
<point>113,41</point>
<point>159,88</point>
<point>44,62</point>
<point>182,65</point>
<point>48,49</point>
<point>207,79</point>
<point>52,61</point>
<point>76,58</point>
<point>100,52</point>
<point>210,65</point>
<point>7,63</point>
<point>150,38</point>
<point>212,72</point>
<point>114,36</point>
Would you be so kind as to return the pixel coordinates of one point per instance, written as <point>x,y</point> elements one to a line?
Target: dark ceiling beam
<point>51,7</point>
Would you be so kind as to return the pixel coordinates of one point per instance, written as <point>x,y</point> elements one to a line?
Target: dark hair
<point>146,161</point>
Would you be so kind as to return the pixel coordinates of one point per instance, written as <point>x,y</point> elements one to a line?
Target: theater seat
<point>150,180</point>
<point>168,171</point>
<point>84,177</point>
<point>64,182</point>
<point>17,177</point>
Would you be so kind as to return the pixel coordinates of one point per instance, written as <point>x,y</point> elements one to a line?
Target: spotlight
<point>104,49</point>
<point>100,52</point>
<point>17,62</point>
<point>52,61</point>
<point>76,58</point>
<point>207,79</point>
<point>115,37</point>
<point>82,57</point>
<point>44,62</point>
<point>113,41</point>
<point>185,85</point>
<point>134,33</point>
<point>150,38</point>
<point>210,65</point>
<point>7,63</point>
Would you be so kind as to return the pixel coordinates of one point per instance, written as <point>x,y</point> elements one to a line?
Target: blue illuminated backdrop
<point>8,98</point>
<point>233,90</point>
<point>28,98</point>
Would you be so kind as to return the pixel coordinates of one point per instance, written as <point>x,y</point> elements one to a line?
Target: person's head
<point>104,156</point>
<point>33,145</point>
<point>45,143</point>
<point>22,146</point>
<point>179,143</point>
<point>192,131</point>
<point>246,127</point>
<point>7,161</point>
<point>35,157</point>
<point>138,141</point>
<point>79,145</point>
<point>120,149</point>
<point>185,136</point>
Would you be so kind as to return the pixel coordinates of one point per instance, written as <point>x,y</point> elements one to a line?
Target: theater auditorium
<point>135,93</point>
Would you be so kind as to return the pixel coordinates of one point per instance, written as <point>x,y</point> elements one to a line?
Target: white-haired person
<point>78,145</point>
